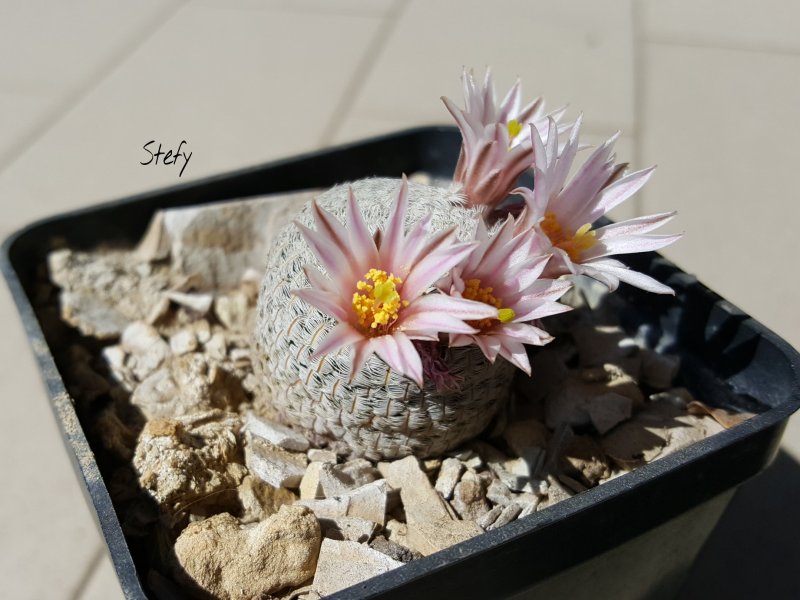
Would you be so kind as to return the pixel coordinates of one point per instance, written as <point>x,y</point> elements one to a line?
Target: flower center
<point>574,245</point>
<point>514,127</point>
<point>377,301</point>
<point>474,291</point>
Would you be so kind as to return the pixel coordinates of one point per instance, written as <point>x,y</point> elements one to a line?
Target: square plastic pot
<point>631,537</point>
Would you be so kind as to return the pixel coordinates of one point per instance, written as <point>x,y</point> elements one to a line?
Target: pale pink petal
<point>362,350</point>
<point>343,334</point>
<point>327,302</point>
<point>527,114</point>
<point>330,256</point>
<point>525,333</point>
<point>399,353</point>
<point>637,226</point>
<point>394,233</point>
<point>531,270</point>
<point>361,241</point>
<point>618,192</point>
<point>467,310</point>
<point>416,239</point>
<point>574,200</point>
<point>329,226</point>
<point>567,157</point>
<point>433,266</point>
<point>430,325</point>
<point>629,276</point>
<point>317,279</point>
<point>629,244</point>
<point>529,309</point>
<point>488,344</point>
<point>515,353</point>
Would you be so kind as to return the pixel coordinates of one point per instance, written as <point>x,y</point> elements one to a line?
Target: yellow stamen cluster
<point>514,127</point>
<point>377,301</point>
<point>574,245</point>
<point>474,291</point>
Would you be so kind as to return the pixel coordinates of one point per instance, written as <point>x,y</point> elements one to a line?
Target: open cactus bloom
<point>394,313</point>
<point>377,283</point>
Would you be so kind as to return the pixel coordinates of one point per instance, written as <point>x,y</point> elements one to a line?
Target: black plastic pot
<point>631,537</point>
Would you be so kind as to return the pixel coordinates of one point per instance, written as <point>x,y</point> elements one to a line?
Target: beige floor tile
<point>20,114</point>
<point>103,583</point>
<point>240,87</point>
<point>761,24</point>
<point>50,47</point>
<point>356,127</point>
<point>340,7</point>
<point>47,536</point>
<point>791,438</point>
<point>578,53</point>
<point>727,155</point>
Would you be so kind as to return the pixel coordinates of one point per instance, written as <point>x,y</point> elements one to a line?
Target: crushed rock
<point>175,397</point>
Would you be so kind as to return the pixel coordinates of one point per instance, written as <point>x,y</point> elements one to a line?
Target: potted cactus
<point>394,314</point>
<point>391,319</point>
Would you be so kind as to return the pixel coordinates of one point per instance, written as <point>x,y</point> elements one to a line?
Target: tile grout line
<point>721,45</point>
<point>362,70</point>
<point>639,76</point>
<point>86,577</point>
<point>73,98</point>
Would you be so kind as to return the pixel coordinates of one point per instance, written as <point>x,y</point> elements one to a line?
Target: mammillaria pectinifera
<point>393,314</point>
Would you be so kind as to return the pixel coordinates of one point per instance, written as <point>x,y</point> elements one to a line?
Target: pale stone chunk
<point>393,549</point>
<point>278,435</point>
<point>147,348</point>
<point>216,244</point>
<point>217,346</point>
<point>198,303</point>
<point>260,500</point>
<point>342,564</point>
<point>449,474</point>
<point>570,405</point>
<point>555,493</point>
<point>232,563</point>
<point>233,311</point>
<point>184,461</point>
<point>310,489</point>
<point>397,532</point>
<point>520,435</point>
<point>584,458</point>
<point>327,508</point>
<point>659,370</point>
<point>509,513</point>
<point>340,479</point>
<point>490,517</point>
<point>498,493</point>
<point>427,537</point>
<point>421,501</point>
<point>367,502</point>
<point>600,343</point>
<point>609,410</point>
<point>469,498</point>
<point>274,465</point>
<point>323,456</point>
<point>351,529</point>
<point>182,342</point>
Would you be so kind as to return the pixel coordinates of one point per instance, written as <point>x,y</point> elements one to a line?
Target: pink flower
<point>495,149</point>
<point>502,273</point>
<point>376,290</point>
<point>563,212</point>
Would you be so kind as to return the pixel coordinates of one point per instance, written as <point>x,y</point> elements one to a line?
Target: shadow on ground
<point>755,550</point>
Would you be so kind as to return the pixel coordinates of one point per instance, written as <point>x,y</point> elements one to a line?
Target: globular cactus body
<point>379,413</point>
